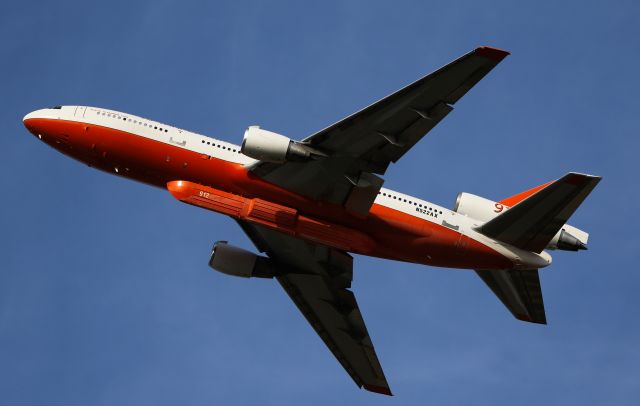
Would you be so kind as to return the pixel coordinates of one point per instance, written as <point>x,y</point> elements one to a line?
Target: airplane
<point>308,205</point>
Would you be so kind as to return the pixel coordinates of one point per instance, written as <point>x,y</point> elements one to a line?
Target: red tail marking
<point>513,200</point>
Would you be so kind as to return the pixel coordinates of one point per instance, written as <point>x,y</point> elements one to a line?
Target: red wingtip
<point>576,179</point>
<point>494,54</point>
<point>524,317</point>
<point>378,389</point>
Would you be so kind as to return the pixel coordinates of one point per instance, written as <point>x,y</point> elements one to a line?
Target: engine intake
<point>235,261</point>
<point>272,147</point>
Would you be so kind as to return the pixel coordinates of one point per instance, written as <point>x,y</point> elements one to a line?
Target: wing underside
<point>317,279</point>
<point>519,291</point>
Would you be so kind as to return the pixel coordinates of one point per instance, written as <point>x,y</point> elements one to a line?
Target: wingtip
<point>492,53</point>
<point>587,175</point>
<point>378,389</point>
<point>578,179</point>
<point>528,319</point>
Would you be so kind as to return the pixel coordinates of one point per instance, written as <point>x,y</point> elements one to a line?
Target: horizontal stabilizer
<point>532,223</point>
<point>519,291</point>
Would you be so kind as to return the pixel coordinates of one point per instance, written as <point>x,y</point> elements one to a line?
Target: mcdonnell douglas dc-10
<point>307,204</point>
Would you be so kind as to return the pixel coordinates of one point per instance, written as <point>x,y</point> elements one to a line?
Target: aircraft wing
<point>519,291</point>
<point>365,143</point>
<point>317,279</point>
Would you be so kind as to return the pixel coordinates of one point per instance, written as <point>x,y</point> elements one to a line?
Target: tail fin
<point>515,199</point>
<point>533,222</point>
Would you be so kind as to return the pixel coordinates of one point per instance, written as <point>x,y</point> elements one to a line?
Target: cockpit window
<point>56,107</point>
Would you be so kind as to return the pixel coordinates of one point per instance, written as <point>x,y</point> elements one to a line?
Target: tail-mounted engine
<point>477,207</point>
<point>268,146</point>
<point>236,261</point>
<point>565,241</point>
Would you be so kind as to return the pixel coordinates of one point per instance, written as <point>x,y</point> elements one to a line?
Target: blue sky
<point>105,293</point>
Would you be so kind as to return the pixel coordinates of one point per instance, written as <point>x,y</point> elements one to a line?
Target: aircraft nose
<point>28,121</point>
<point>29,116</point>
<point>34,120</point>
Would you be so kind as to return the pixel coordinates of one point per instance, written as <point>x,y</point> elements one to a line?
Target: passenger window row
<point>213,144</point>
<point>134,121</point>
<point>409,202</point>
<point>155,127</point>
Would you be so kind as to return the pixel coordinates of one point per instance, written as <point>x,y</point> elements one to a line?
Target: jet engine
<point>268,146</point>
<point>477,207</point>
<point>565,241</point>
<point>235,261</point>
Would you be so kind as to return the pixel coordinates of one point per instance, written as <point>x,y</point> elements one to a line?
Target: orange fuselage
<point>388,233</point>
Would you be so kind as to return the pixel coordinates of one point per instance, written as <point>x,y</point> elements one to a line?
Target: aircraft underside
<point>306,205</point>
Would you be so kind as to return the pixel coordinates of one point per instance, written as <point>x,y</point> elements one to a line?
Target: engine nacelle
<point>268,146</point>
<point>477,207</point>
<point>235,261</point>
<point>569,238</point>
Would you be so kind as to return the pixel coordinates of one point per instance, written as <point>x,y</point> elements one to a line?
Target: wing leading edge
<point>317,279</point>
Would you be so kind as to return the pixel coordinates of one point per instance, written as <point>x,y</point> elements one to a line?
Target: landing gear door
<point>80,111</point>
